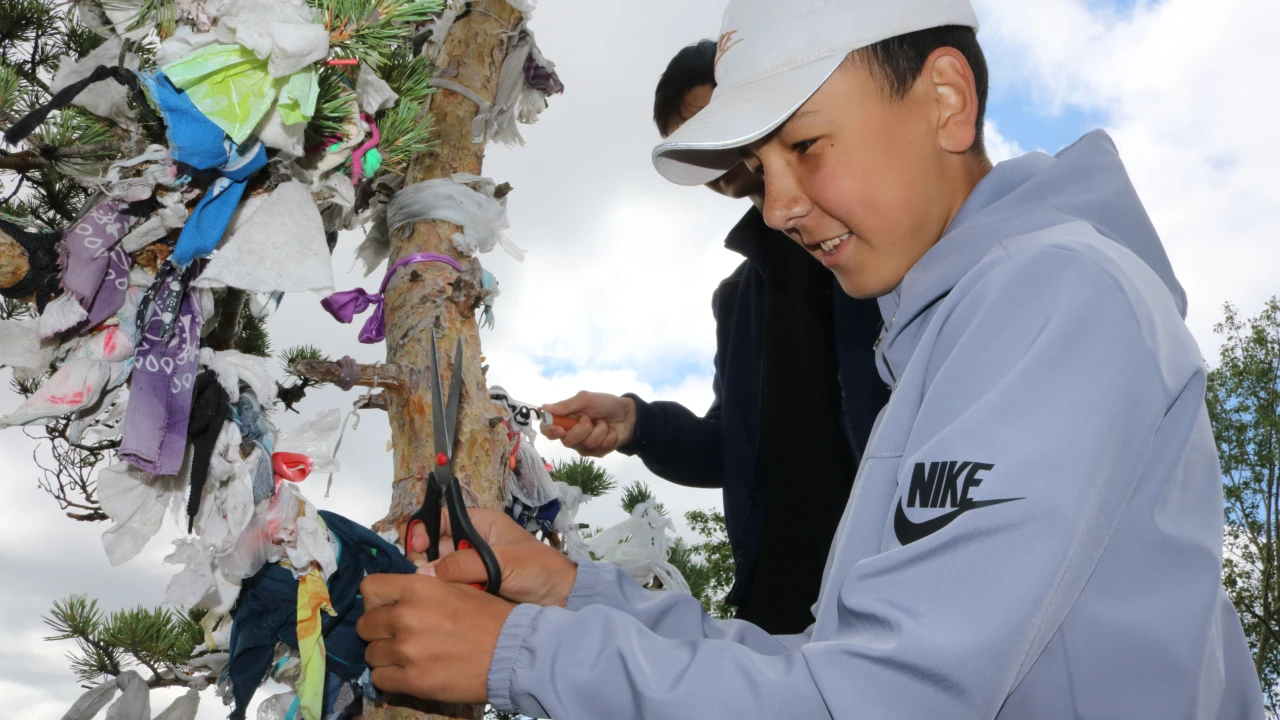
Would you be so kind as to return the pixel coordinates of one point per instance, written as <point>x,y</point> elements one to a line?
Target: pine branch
<point>585,474</point>
<point>406,131</point>
<point>370,30</point>
<point>78,618</point>
<point>334,105</point>
<point>47,156</point>
<point>638,493</point>
<point>408,74</point>
<point>253,338</point>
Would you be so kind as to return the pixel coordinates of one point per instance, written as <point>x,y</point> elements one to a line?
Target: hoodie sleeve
<point>668,614</point>
<point>677,445</point>
<point>1043,379</point>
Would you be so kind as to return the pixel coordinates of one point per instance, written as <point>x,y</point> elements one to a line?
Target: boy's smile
<point>868,184</point>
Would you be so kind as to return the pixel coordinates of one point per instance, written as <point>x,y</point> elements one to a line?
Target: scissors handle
<point>429,517</point>
<point>466,537</point>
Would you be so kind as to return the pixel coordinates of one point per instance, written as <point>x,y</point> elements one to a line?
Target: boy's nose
<point>784,204</point>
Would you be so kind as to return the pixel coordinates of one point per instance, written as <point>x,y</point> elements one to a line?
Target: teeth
<point>831,245</point>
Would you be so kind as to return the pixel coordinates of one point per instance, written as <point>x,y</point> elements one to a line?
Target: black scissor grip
<point>465,535</point>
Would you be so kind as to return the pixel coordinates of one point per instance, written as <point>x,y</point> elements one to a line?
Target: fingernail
<point>428,570</point>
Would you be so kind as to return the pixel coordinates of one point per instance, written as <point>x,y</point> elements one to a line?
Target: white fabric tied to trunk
<point>481,217</point>
<point>514,101</point>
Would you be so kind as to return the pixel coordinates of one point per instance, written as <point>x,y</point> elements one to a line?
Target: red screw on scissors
<point>443,485</point>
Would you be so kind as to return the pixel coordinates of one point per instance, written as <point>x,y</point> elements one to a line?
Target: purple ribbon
<point>344,306</point>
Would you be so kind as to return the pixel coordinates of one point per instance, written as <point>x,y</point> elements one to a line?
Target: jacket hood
<point>1085,182</point>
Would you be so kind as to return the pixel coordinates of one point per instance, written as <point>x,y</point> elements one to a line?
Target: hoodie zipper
<point>884,330</point>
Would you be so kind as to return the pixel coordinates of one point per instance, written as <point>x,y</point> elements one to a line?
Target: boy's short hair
<point>693,66</point>
<point>898,61</point>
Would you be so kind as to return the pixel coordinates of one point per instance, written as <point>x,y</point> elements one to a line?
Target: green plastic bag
<point>232,87</point>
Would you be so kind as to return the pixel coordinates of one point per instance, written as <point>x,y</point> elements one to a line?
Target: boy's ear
<point>956,96</point>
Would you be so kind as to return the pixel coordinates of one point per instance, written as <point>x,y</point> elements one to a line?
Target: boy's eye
<point>803,146</point>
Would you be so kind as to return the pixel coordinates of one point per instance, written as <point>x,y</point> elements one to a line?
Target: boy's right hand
<point>532,572</point>
<point>605,423</point>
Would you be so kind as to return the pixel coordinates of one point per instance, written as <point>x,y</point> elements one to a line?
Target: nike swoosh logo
<point>909,532</point>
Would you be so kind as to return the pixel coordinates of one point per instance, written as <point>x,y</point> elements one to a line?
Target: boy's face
<point>868,184</point>
<point>739,182</point>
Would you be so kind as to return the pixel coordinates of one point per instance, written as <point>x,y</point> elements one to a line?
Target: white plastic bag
<point>566,523</point>
<point>136,501</point>
<point>640,546</point>
<point>314,438</point>
<point>531,484</point>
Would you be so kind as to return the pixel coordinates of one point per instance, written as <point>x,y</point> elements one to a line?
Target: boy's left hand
<point>429,638</point>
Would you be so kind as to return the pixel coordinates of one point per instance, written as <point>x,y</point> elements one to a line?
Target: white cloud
<point>999,147</point>
<point>1178,83</point>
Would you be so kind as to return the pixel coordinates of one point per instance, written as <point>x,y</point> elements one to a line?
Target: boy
<point>1036,528</point>
<point>789,344</point>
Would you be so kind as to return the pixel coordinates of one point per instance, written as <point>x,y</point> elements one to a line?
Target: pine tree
<point>46,178</point>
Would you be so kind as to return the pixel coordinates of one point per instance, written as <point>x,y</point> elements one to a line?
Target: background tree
<point>1244,405</point>
<point>45,181</point>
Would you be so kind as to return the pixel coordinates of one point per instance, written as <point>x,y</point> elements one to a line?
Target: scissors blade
<point>455,394</point>
<point>438,425</point>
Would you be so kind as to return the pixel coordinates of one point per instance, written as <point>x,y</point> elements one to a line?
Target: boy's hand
<point>605,422</point>
<point>428,638</point>
<point>532,572</point>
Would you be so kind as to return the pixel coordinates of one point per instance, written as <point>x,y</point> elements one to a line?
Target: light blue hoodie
<point>1036,527</point>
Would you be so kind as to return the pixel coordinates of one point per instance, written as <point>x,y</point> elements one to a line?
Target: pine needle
<point>585,474</point>
<point>636,494</point>
<point>406,131</point>
<point>370,30</point>
<point>334,105</point>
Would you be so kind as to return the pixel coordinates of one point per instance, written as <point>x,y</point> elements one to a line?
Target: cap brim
<point>707,146</point>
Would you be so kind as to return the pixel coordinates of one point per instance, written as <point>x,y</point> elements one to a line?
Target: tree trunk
<point>423,299</point>
<point>13,261</point>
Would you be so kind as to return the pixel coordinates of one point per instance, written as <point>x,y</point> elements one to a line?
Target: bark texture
<point>13,261</point>
<point>427,299</point>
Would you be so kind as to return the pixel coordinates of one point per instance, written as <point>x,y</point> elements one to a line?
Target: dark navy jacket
<point>796,394</point>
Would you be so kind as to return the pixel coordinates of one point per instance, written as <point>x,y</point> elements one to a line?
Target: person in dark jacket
<point>796,394</point>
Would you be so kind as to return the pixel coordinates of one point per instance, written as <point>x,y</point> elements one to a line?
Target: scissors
<point>442,484</point>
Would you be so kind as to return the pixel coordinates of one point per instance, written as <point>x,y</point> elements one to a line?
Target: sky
<point>615,293</point>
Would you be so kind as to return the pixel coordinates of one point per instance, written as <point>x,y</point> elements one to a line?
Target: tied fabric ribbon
<point>344,306</point>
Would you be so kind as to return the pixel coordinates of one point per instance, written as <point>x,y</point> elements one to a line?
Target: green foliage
<point>334,105</point>
<point>406,131</point>
<point>107,644</point>
<point>56,201</point>
<point>9,96</point>
<point>14,309</point>
<point>1243,397</point>
<point>637,493</point>
<point>297,354</point>
<point>715,559</point>
<point>26,27</point>
<point>78,40</point>
<point>583,473</point>
<point>371,30</point>
<point>253,338</point>
<point>409,75</point>
<point>78,618</point>
<point>294,393</point>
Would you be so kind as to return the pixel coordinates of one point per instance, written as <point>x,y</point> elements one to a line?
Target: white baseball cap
<point>773,56</point>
